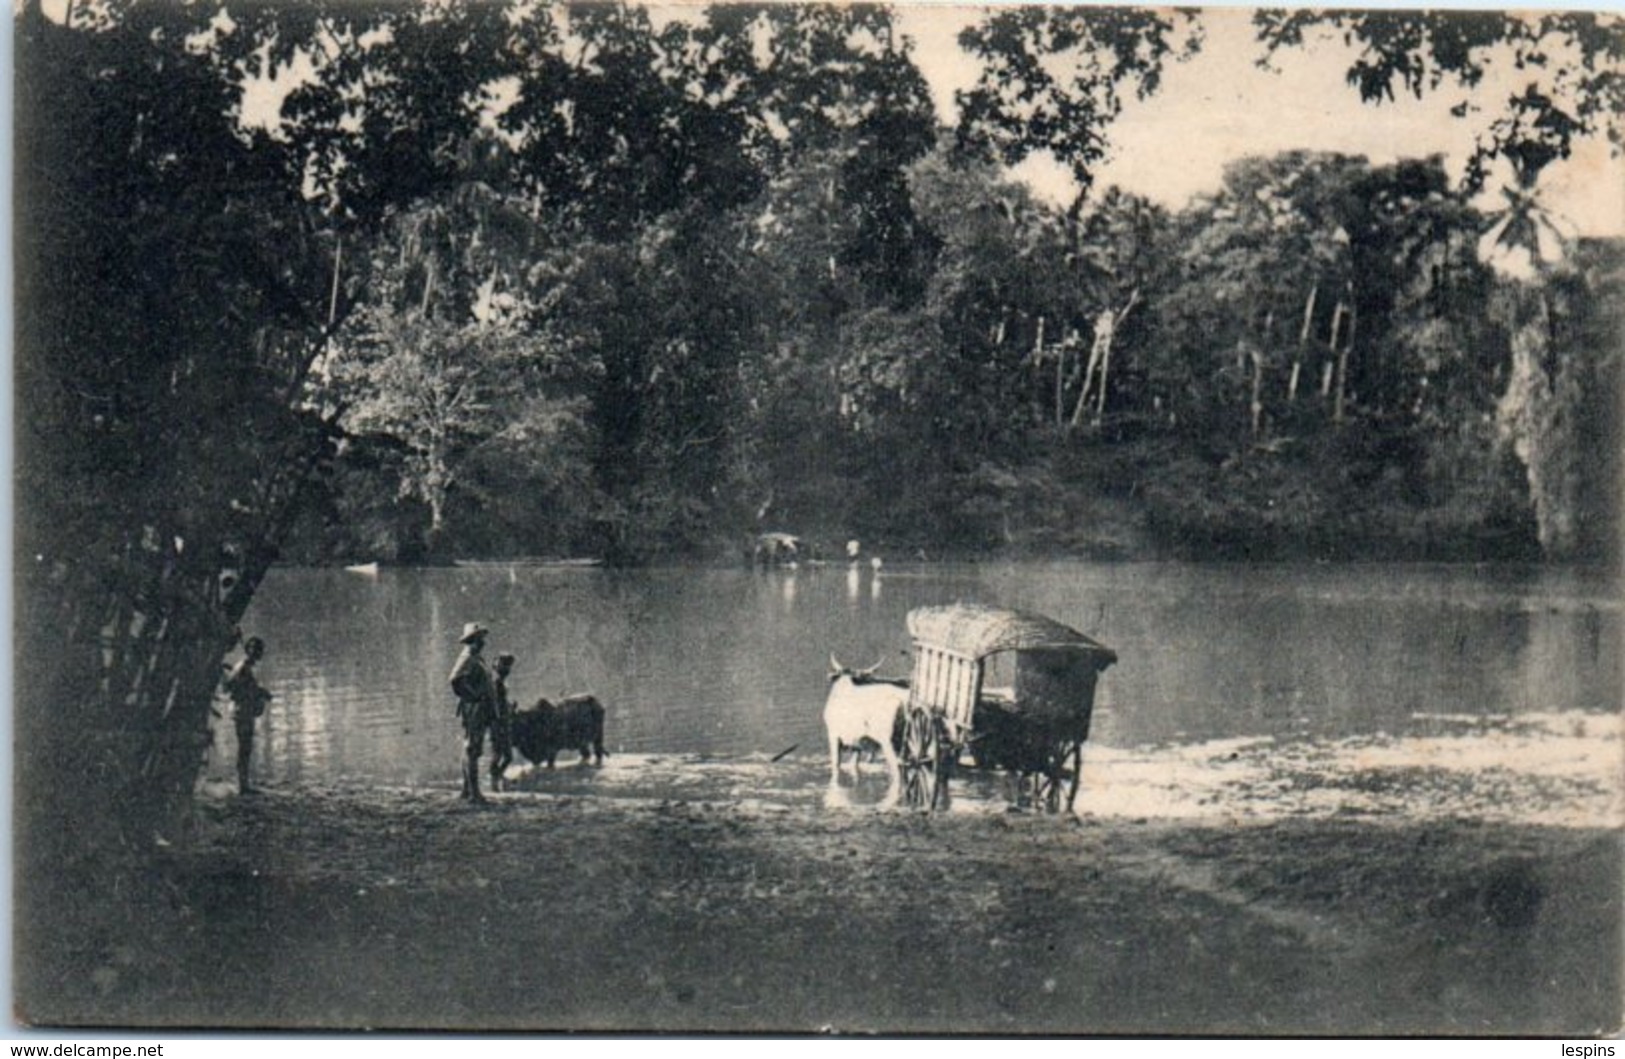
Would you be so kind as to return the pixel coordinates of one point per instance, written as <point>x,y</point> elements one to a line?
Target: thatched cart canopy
<point>976,631</point>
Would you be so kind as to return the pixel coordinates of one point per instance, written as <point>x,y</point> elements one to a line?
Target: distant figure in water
<point>248,702</point>
<point>475,687</point>
<point>502,724</point>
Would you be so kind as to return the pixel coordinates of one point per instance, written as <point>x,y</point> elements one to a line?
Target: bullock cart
<point>959,705</point>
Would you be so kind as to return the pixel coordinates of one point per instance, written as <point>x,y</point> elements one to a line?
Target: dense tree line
<point>533,278</point>
<point>1313,360</point>
<point>763,287</point>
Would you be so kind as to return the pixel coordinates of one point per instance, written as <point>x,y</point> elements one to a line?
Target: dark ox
<point>576,723</point>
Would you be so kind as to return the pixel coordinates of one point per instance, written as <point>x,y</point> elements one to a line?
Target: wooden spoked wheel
<point>924,761</point>
<point>1056,783</point>
<point>1077,774</point>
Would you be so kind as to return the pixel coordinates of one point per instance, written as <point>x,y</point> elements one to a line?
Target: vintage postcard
<point>817,518</point>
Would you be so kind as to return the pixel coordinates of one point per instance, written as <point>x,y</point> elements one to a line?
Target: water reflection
<point>734,661</point>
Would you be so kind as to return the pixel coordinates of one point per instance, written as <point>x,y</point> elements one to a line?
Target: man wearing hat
<point>475,688</point>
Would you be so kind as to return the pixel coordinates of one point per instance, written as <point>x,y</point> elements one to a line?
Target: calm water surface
<point>733,661</point>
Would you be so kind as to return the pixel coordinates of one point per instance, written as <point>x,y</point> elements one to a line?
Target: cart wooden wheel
<point>1077,775</point>
<point>924,761</point>
<point>1056,783</point>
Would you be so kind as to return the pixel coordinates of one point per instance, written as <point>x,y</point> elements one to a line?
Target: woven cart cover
<point>976,631</point>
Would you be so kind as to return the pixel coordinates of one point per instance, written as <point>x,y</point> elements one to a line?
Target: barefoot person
<point>475,688</point>
<point>248,702</point>
<point>502,723</point>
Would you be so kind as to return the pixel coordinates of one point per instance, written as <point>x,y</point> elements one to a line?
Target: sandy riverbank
<point>1463,881</point>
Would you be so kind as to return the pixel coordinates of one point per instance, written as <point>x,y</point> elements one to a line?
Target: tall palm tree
<point>1531,246</point>
<point>1525,238</point>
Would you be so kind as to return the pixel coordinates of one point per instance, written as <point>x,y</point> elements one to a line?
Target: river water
<point>732,662</point>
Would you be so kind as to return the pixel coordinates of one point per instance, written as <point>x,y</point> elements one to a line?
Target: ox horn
<point>835,667</point>
<point>871,670</point>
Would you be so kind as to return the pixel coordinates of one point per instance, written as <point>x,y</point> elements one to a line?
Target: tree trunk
<point>1536,415</point>
<point>1331,348</point>
<point>333,295</point>
<point>1105,369</point>
<point>1103,325</point>
<point>1100,355</point>
<point>1257,404</point>
<point>437,518</point>
<point>1343,369</point>
<point>1060,368</point>
<point>1303,343</point>
<point>434,492</point>
<point>121,660</point>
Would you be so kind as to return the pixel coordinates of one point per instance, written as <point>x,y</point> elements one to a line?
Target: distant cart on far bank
<point>1033,727</point>
<point>778,549</point>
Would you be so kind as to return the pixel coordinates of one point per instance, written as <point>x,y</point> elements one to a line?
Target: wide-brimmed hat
<point>473,631</point>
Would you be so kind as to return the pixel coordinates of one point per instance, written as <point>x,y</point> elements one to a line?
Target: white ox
<point>858,709</point>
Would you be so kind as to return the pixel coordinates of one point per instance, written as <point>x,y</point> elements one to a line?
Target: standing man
<point>502,724</point>
<point>248,702</point>
<point>475,688</point>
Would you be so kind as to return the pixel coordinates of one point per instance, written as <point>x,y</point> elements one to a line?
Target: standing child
<point>248,700</point>
<point>502,724</point>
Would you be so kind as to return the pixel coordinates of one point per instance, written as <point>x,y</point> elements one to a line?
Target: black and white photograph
<point>794,518</point>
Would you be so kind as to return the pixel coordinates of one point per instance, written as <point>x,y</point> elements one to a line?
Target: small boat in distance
<point>364,569</point>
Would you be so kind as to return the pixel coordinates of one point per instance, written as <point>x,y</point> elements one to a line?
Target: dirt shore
<point>1248,889</point>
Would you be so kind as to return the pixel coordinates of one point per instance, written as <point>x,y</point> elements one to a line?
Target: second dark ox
<point>575,723</point>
